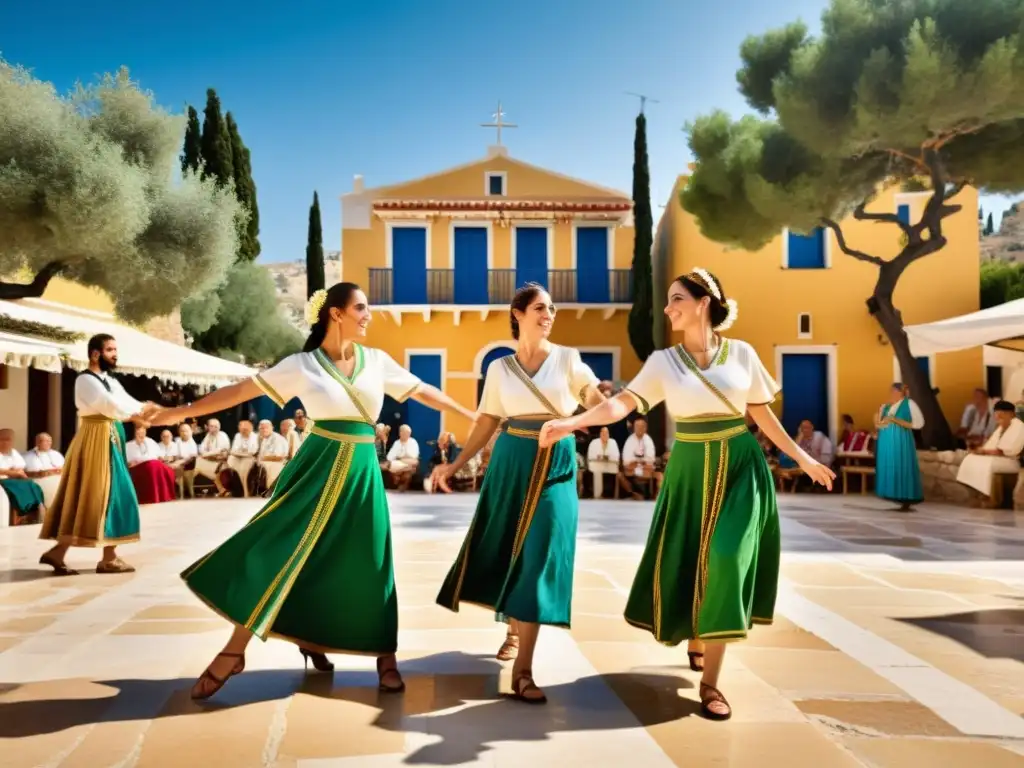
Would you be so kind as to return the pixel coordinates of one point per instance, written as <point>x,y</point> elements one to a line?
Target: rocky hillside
<point>290,279</point>
<point>1008,243</point>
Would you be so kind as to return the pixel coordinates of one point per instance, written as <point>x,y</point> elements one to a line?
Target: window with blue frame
<point>806,251</point>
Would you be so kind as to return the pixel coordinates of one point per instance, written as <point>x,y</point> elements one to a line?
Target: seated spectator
<point>602,459</point>
<point>154,481</point>
<point>380,441</point>
<point>44,465</point>
<point>213,452</point>
<point>25,495</point>
<point>291,436</point>
<point>241,460</point>
<point>185,451</point>
<point>978,422</point>
<point>271,455</point>
<point>638,459</point>
<point>853,442</point>
<point>1000,453</point>
<point>404,458</point>
<point>816,443</point>
<point>446,450</point>
<point>302,429</point>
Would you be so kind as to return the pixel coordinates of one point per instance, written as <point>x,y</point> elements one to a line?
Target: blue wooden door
<point>471,265</point>
<point>805,391</point>
<point>409,265</point>
<point>491,356</point>
<point>592,285</point>
<point>531,255</point>
<point>601,363</point>
<point>425,422</point>
<point>806,251</point>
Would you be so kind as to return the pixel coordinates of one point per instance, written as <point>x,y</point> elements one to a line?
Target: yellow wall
<point>771,298</point>
<point>75,295</point>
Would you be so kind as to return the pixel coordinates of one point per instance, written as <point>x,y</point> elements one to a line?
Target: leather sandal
<point>59,568</point>
<point>522,683</point>
<point>509,649</point>
<point>117,565</point>
<point>391,669</point>
<point>710,695</point>
<point>696,660</point>
<point>200,693</point>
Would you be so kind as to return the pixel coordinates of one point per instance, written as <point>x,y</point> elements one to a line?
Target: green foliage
<point>88,191</point>
<point>245,190</point>
<point>853,110</point>
<point>10,324</point>
<point>315,278</point>
<point>216,143</point>
<point>191,156</point>
<point>1001,281</point>
<point>641,314</point>
<point>248,323</point>
<point>990,226</point>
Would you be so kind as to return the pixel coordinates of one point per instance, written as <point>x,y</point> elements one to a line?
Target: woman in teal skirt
<point>711,565</point>
<point>517,558</point>
<point>897,473</point>
<point>314,566</point>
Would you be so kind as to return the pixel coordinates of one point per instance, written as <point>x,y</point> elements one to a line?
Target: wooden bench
<point>863,472</point>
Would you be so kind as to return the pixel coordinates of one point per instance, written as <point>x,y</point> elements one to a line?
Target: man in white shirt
<point>271,455</point>
<point>213,452</point>
<point>602,459</point>
<point>141,449</point>
<point>96,505</point>
<point>978,422</point>
<point>999,455</point>
<point>638,459</point>
<point>403,458</point>
<point>25,495</point>
<point>43,461</point>
<point>241,460</point>
<point>185,466</point>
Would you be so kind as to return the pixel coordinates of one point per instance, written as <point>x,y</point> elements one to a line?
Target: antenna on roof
<point>643,99</point>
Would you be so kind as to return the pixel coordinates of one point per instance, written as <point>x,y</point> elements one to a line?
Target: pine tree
<point>216,143</point>
<point>641,314</point>
<point>990,226</point>
<point>245,191</point>
<point>315,279</point>
<point>191,152</point>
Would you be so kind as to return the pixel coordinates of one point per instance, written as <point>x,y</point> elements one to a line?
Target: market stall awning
<point>26,352</point>
<point>1001,326</point>
<point>138,353</point>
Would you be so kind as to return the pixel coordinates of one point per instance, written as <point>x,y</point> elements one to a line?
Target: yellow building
<point>441,256</point>
<point>803,306</point>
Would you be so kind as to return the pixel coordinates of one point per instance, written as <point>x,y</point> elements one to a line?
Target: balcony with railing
<point>449,287</point>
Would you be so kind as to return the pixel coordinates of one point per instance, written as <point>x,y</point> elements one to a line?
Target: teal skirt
<point>897,473</point>
<point>25,496</point>
<point>314,566</point>
<point>710,569</point>
<point>517,558</point>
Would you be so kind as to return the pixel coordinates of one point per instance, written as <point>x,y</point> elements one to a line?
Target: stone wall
<point>938,477</point>
<point>167,328</point>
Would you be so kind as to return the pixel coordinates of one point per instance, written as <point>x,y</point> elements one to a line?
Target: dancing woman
<point>711,566</point>
<point>517,558</point>
<point>314,566</point>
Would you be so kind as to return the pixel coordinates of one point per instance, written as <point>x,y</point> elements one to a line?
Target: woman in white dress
<point>314,566</point>
<point>517,558</point>
<point>711,566</point>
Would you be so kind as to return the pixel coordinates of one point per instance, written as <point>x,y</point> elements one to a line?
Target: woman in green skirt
<point>517,558</point>
<point>314,566</point>
<point>711,566</point>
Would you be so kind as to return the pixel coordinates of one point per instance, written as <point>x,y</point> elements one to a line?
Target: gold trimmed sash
<point>328,365</point>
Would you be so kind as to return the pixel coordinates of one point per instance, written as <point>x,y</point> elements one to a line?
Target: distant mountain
<point>1008,243</point>
<point>290,280</point>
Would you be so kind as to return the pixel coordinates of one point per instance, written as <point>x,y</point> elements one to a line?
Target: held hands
<point>553,431</point>
<point>819,473</point>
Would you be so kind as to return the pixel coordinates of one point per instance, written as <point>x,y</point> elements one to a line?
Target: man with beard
<point>96,505</point>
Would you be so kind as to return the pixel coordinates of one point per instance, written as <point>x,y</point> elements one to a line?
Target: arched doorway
<point>491,356</point>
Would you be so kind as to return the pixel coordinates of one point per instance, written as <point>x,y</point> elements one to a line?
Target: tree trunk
<point>936,433</point>
<point>35,289</point>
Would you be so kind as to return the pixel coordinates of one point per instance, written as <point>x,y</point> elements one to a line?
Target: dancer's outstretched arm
<point>483,428</point>
<point>221,400</point>
<point>432,397</point>
<point>608,412</point>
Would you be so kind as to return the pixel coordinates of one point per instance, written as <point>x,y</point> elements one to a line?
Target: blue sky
<point>325,90</point>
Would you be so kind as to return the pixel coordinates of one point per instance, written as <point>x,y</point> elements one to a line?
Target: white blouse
<point>93,399</point>
<point>168,450</point>
<point>136,453</point>
<point>561,380</point>
<point>187,449</point>
<point>246,445</point>
<point>735,379</point>
<point>12,460</point>
<point>326,393</point>
<point>214,445</point>
<point>43,461</point>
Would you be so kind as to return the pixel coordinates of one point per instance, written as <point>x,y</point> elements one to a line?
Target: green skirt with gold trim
<point>517,558</point>
<point>711,566</point>
<point>314,566</point>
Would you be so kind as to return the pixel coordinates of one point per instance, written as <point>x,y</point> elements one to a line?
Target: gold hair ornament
<point>314,305</point>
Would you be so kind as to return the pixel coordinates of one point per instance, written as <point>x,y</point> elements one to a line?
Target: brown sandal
<point>710,695</point>
<point>59,568</point>
<point>383,672</point>
<point>694,657</point>
<point>117,565</point>
<point>509,650</point>
<point>201,694</point>
<point>522,683</point>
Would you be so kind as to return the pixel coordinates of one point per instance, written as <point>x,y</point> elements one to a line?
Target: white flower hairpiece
<point>734,311</point>
<point>704,277</point>
<point>709,282</point>
<point>313,306</point>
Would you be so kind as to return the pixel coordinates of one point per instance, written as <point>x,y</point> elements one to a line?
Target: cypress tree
<point>216,143</point>
<point>245,191</point>
<point>990,226</point>
<point>192,149</point>
<point>641,314</point>
<point>315,279</point>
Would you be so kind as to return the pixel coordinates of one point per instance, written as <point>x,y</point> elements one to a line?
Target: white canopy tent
<point>25,352</point>
<point>138,353</point>
<point>1001,326</point>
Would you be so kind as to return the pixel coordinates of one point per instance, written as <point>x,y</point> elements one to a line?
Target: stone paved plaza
<point>898,642</point>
